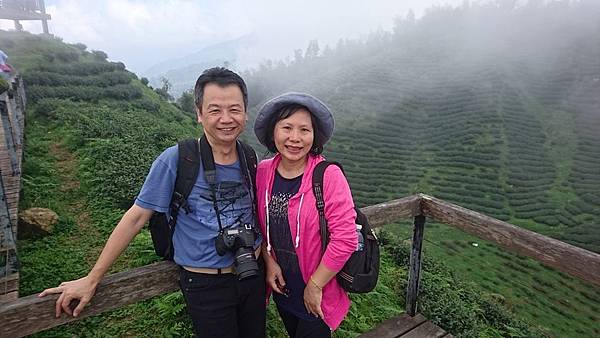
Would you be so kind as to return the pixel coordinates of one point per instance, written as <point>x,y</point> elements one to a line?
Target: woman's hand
<point>274,276</point>
<point>313,294</point>
<point>82,289</point>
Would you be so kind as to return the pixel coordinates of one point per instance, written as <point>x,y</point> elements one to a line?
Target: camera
<point>239,240</point>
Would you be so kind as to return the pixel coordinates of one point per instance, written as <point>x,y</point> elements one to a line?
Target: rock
<point>35,222</point>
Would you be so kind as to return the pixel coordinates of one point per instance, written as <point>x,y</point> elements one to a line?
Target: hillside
<point>482,114</point>
<point>87,150</point>
<point>182,72</point>
<point>509,129</point>
<point>491,107</point>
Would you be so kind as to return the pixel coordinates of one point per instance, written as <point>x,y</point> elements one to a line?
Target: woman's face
<point>294,136</point>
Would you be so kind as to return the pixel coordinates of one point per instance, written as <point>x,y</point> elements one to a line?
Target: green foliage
<point>164,90</point>
<point>512,135</point>
<point>4,86</point>
<point>186,102</point>
<point>458,307</point>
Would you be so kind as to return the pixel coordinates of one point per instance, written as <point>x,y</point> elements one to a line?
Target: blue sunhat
<point>322,114</point>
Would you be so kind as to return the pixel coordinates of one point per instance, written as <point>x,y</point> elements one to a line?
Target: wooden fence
<point>12,112</point>
<point>31,314</point>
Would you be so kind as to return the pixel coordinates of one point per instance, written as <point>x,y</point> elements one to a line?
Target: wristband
<point>315,284</point>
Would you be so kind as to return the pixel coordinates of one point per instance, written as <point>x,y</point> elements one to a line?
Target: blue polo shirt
<point>195,233</point>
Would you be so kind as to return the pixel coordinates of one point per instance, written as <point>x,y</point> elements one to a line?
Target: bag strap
<point>188,164</point>
<point>248,163</point>
<point>210,174</point>
<point>247,158</point>
<point>317,185</point>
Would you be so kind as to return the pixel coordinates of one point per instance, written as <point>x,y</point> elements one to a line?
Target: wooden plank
<point>12,14</point>
<point>391,211</point>
<point>426,330</point>
<point>395,326</point>
<point>567,258</point>
<point>31,314</point>
<point>11,296</point>
<point>414,273</point>
<point>9,284</point>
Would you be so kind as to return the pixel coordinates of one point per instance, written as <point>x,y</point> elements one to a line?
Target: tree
<point>298,56</point>
<point>312,51</point>
<point>186,101</point>
<point>99,55</point>
<point>164,90</point>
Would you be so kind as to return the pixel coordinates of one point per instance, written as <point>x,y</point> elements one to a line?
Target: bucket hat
<point>322,115</point>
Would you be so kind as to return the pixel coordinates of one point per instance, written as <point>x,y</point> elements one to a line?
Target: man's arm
<point>84,288</point>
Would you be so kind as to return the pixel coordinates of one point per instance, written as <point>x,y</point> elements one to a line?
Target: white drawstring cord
<point>267,217</point>
<point>298,221</point>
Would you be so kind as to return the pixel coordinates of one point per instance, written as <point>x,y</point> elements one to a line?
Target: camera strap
<point>210,174</point>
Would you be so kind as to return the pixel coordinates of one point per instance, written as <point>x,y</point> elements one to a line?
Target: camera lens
<point>245,263</point>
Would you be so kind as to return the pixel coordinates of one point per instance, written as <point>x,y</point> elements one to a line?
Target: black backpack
<point>360,273</point>
<point>188,164</point>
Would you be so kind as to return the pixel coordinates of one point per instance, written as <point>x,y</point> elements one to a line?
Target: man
<point>219,304</point>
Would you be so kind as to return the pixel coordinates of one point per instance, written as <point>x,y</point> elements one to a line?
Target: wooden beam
<point>426,330</point>
<point>391,211</point>
<point>395,326</point>
<point>11,14</point>
<point>567,258</point>
<point>31,314</point>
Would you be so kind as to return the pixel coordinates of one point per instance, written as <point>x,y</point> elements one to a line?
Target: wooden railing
<point>12,112</point>
<point>31,314</point>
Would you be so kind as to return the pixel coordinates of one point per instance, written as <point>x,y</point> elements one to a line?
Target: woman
<point>310,302</point>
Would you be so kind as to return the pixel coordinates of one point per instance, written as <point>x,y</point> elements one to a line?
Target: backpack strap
<point>188,164</point>
<point>247,158</point>
<point>317,185</point>
<point>248,162</point>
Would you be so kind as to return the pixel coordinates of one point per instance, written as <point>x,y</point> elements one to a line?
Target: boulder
<point>35,222</point>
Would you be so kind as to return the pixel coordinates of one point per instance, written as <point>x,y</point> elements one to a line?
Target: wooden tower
<point>17,10</point>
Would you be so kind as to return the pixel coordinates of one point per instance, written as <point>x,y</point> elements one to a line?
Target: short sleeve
<point>158,188</point>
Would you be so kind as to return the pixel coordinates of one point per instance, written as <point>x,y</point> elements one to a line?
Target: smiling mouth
<point>294,149</point>
<point>227,129</point>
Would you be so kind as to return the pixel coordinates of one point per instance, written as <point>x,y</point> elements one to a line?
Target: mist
<point>144,33</point>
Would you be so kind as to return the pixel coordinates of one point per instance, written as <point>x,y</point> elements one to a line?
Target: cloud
<point>143,33</point>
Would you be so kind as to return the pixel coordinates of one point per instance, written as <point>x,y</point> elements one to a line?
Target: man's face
<point>222,114</point>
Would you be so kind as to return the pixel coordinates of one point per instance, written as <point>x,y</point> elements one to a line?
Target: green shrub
<point>4,86</point>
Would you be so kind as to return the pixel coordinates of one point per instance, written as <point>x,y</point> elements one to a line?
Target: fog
<point>144,33</point>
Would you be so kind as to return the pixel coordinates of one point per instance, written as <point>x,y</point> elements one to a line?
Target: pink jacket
<point>304,226</point>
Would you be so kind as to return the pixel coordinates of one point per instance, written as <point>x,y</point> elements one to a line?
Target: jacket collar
<point>311,163</point>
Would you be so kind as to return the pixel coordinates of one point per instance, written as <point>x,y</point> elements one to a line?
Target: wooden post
<point>44,21</point>
<point>414,274</point>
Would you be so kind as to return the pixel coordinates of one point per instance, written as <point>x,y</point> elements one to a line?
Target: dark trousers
<point>300,328</point>
<point>224,307</point>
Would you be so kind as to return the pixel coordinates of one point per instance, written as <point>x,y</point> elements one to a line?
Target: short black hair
<point>222,77</point>
<point>284,113</point>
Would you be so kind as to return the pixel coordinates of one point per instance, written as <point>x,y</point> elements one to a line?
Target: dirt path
<point>66,164</point>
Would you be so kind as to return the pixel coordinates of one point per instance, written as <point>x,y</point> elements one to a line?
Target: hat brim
<point>322,115</point>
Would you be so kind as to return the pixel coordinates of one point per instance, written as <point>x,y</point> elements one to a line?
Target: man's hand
<point>312,299</point>
<point>82,289</point>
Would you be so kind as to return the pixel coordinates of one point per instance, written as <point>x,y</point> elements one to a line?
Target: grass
<point>541,295</point>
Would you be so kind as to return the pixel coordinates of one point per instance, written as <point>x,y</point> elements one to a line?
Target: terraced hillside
<point>479,114</point>
<point>495,109</point>
<point>87,150</point>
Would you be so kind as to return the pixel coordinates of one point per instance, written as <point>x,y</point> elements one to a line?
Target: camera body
<point>240,241</point>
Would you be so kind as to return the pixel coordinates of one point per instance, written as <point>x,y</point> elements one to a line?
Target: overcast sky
<point>143,33</point>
